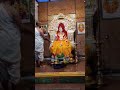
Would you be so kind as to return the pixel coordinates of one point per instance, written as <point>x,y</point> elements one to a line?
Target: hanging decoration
<point>67,20</point>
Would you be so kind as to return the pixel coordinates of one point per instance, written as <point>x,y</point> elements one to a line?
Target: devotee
<point>39,44</point>
<point>10,54</point>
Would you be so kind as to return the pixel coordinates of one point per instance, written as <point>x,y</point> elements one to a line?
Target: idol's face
<point>60,29</point>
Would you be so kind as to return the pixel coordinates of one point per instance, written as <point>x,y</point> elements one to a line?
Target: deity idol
<point>61,46</point>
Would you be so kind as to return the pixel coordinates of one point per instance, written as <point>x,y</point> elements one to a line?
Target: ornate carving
<point>67,20</point>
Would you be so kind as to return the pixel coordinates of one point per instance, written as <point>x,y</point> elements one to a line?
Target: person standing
<point>10,54</point>
<point>39,44</point>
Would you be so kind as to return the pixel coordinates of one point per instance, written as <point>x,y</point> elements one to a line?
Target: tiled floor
<point>69,68</point>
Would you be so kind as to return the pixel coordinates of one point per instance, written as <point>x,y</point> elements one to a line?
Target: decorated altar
<point>61,29</point>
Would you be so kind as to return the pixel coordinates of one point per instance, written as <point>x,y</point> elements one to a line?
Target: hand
<point>47,39</point>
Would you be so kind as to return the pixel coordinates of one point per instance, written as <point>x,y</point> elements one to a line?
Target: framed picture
<point>81,27</point>
<point>25,10</point>
<point>110,9</point>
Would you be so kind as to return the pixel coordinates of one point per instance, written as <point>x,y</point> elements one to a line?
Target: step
<point>52,80</point>
<point>60,77</point>
<point>59,74</point>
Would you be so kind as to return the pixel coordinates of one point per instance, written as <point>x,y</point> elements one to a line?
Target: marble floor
<point>79,67</point>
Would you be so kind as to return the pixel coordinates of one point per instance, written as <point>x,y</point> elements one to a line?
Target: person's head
<point>42,29</point>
